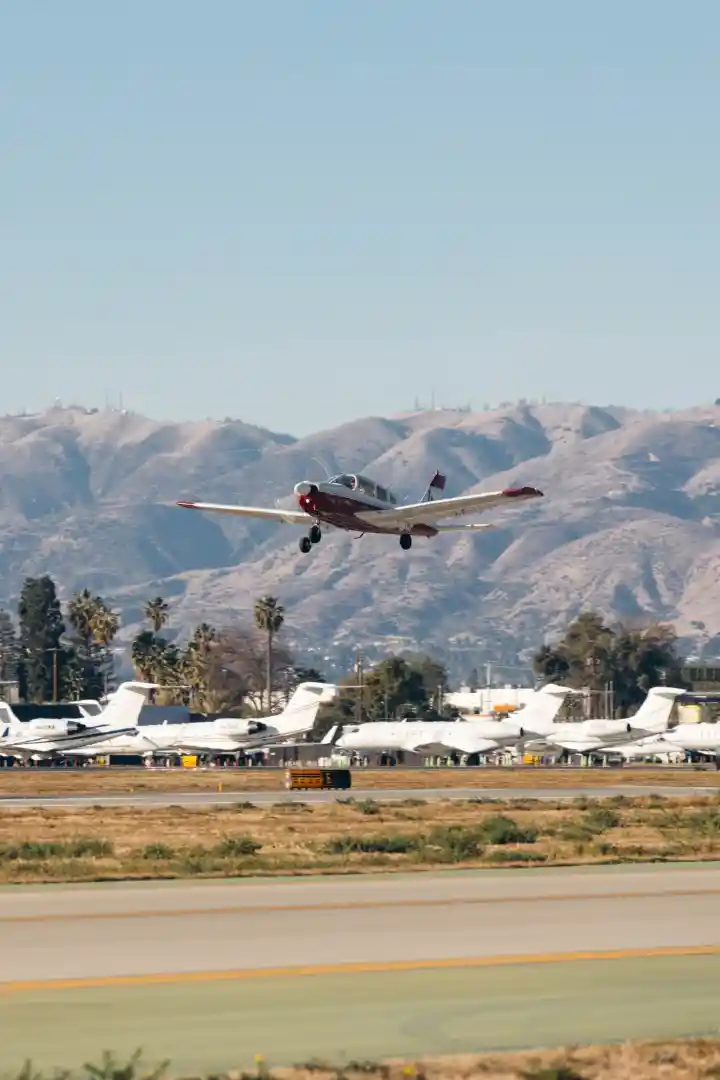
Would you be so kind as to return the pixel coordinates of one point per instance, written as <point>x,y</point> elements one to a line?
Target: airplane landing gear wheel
<point>315,535</point>
<point>305,545</point>
<point>405,541</point>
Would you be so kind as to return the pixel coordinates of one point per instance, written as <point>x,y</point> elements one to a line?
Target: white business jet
<point>44,737</point>
<point>226,735</point>
<point>462,736</point>
<point>596,735</point>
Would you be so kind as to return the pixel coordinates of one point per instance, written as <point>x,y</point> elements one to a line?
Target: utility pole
<point>54,673</point>
<point>359,698</point>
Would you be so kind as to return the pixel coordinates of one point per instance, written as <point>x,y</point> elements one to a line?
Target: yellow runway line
<point>184,977</point>
<point>353,905</point>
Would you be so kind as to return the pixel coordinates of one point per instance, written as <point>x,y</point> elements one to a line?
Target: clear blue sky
<point>302,212</point>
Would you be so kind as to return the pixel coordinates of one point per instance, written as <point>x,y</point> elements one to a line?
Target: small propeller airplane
<point>357,504</point>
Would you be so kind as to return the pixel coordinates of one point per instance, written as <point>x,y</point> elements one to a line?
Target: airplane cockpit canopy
<point>367,486</point>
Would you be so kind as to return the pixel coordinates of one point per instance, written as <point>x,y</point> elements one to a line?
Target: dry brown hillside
<point>629,524</point>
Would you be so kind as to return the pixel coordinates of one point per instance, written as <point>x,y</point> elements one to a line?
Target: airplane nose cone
<point>305,488</point>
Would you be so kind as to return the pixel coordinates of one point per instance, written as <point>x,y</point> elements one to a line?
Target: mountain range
<point>629,526</point>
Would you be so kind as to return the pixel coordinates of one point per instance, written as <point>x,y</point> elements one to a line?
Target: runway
<point>415,959</point>
<point>133,929</point>
<point>271,798</point>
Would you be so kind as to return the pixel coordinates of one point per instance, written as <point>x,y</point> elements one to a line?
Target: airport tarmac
<point>362,965</point>
<point>270,798</point>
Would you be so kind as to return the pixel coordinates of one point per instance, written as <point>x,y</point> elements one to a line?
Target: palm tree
<point>104,625</point>
<point>196,661</point>
<point>143,649</point>
<point>81,608</point>
<point>269,617</point>
<point>157,612</point>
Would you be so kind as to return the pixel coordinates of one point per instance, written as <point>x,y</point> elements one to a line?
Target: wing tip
<point>187,505</point>
<point>523,493</point>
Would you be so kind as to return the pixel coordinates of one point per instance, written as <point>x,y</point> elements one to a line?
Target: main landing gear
<point>406,541</point>
<point>314,537</point>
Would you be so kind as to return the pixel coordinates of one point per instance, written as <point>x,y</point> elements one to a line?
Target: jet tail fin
<point>8,719</point>
<point>654,713</point>
<point>538,716</point>
<point>124,707</point>
<point>302,708</point>
<point>330,737</point>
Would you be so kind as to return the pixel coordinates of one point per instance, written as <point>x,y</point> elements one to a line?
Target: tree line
<point>629,658</point>
<point>64,654</point>
<point>56,653</point>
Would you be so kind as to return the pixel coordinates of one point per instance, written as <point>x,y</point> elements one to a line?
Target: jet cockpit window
<point>345,479</point>
<point>367,486</point>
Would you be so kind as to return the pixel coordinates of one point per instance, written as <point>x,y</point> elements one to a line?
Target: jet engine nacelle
<point>56,727</point>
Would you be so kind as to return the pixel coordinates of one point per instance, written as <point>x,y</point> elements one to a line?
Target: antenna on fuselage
<point>323,466</point>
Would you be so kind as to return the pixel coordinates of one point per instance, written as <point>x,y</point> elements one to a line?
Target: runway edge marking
<point>362,967</point>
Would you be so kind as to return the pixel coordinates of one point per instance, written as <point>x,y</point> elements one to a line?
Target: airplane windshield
<point>345,479</point>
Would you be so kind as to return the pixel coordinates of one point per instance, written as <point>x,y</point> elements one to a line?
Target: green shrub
<point>505,830</point>
<point>157,851</point>
<point>236,845</point>
<point>385,845</point>
<point>453,843</point>
<point>504,856</point>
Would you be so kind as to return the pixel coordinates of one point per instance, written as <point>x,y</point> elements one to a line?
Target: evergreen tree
<point>8,652</point>
<point>46,663</point>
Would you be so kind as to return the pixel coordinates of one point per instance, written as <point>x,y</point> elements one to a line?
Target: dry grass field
<point>106,843</point>
<point>95,781</point>
<point>692,1059</point>
<point>682,1059</point>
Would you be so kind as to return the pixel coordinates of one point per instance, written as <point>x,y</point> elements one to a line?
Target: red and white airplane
<point>357,504</point>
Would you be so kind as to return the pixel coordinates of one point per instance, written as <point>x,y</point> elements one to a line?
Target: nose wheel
<point>406,541</point>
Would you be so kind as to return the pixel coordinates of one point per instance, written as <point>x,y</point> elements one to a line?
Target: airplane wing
<point>218,744</point>
<point>288,517</point>
<point>436,509</point>
<point>464,742</point>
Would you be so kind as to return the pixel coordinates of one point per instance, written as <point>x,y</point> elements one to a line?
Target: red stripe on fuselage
<point>342,513</point>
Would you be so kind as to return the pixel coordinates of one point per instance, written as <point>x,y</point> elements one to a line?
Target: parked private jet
<point>357,504</point>
<point>463,736</point>
<point>226,735</point>
<point>701,739</point>
<point>590,735</point>
<point>48,737</point>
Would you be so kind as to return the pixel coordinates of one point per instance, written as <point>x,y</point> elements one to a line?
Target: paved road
<point>142,929</point>
<point>269,798</point>
<point>206,973</point>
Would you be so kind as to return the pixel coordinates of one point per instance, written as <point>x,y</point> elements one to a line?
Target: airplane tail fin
<point>124,707</point>
<point>331,735</point>
<point>538,716</point>
<point>436,484</point>
<point>654,713</point>
<point>8,720</point>
<point>302,708</point>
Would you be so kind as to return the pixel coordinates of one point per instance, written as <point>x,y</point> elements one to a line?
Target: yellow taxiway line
<point>352,905</point>
<point>362,967</point>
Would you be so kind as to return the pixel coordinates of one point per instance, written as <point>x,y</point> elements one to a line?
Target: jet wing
<point>60,743</point>
<point>288,517</point>
<point>218,744</point>
<point>463,742</point>
<point>436,509</point>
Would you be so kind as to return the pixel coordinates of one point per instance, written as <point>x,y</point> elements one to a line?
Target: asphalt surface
<point>208,974</point>
<point>134,929</point>
<point>270,798</point>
